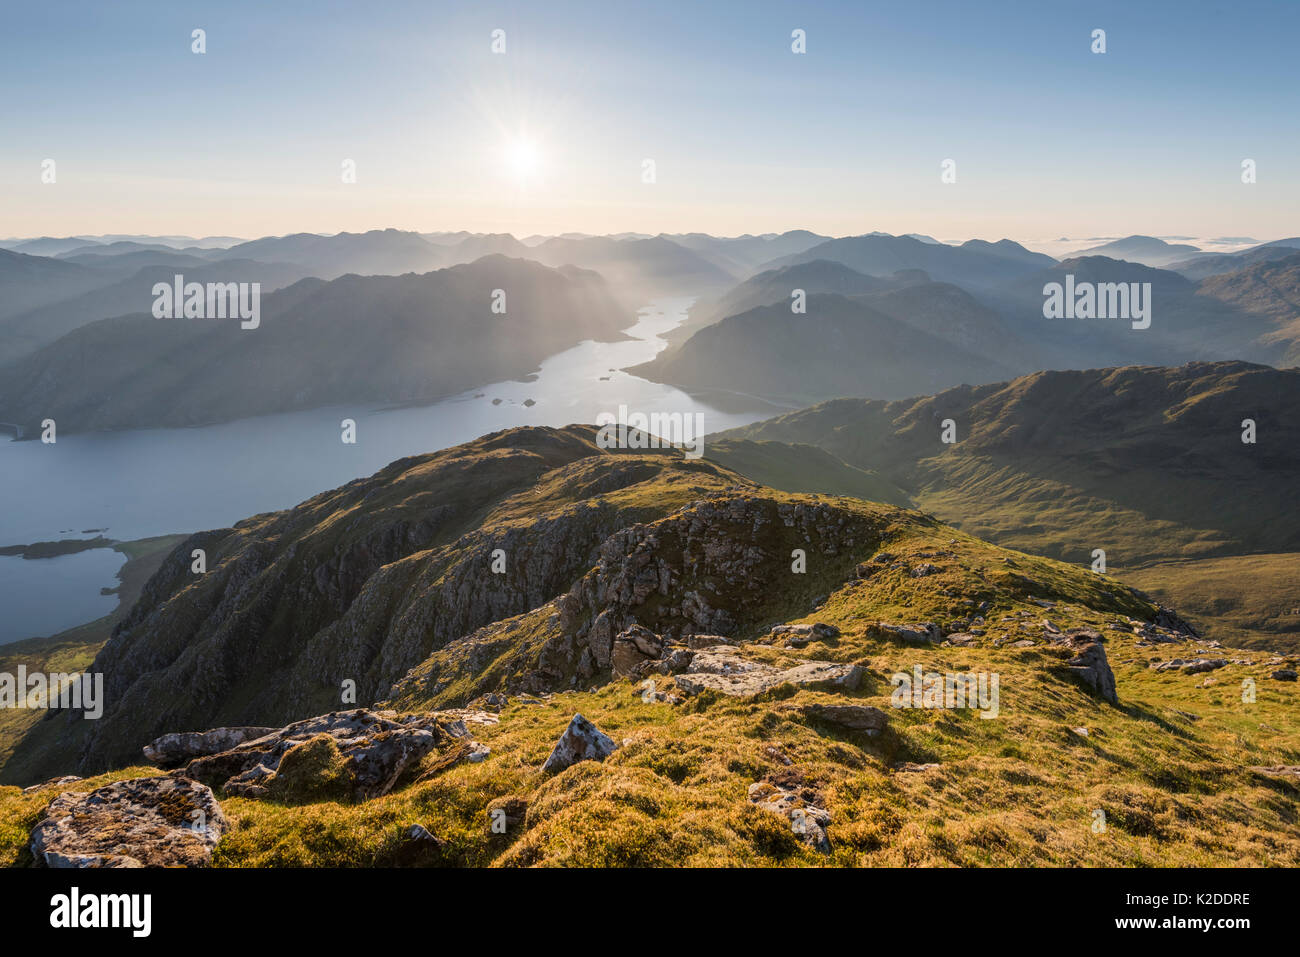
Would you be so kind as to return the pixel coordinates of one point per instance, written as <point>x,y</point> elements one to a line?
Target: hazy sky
<point>1049,138</point>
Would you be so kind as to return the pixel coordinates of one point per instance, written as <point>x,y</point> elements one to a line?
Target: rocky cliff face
<point>720,567</point>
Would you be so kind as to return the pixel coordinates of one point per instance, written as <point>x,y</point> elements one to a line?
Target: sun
<point>523,159</point>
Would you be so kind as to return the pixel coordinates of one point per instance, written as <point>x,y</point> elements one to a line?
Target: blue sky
<point>1049,139</point>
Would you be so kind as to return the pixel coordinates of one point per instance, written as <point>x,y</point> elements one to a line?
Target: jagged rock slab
<point>143,822</point>
<point>1290,770</point>
<point>492,701</point>
<point>418,848</point>
<point>633,647</point>
<point>730,674</point>
<point>173,750</point>
<point>461,717</point>
<point>581,741</point>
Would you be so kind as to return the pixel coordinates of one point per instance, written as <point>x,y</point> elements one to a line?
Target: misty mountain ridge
<point>318,343</point>
<point>975,264</point>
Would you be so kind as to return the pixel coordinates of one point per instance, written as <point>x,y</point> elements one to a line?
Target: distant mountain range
<point>744,254</point>
<point>23,334</point>
<point>1213,264</point>
<point>975,264</point>
<point>27,282</point>
<point>894,315</point>
<point>906,334</point>
<point>860,335</point>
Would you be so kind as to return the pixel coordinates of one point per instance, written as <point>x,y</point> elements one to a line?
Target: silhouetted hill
<point>839,347</point>
<point>357,339</point>
<point>27,282</point>
<point>23,334</point>
<point>1146,250</point>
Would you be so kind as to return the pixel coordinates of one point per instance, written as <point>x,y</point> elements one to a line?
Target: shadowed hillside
<point>1147,463</point>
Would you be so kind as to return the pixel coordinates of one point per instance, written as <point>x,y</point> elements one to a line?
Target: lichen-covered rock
<point>722,670</point>
<point>59,782</point>
<point>581,741</point>
<point>797,805</point>
<point>143,822</point>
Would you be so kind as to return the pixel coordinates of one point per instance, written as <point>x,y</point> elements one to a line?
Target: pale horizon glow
<point>1050,140</point>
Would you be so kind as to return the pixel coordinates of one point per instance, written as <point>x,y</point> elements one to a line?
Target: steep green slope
<point>73,650</point>
<point>1270,289</point>
<point>359,584</point>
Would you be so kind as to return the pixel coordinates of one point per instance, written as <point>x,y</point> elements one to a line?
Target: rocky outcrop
<point>59,782</point>
<point>715,567</point>
<point>361,584</point>
<point>1170,620</point>
<point>633,647</point>
<point>1088,664</point>
<point>581,741</point>
<point>143,822</point>
<point>354,755</point>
